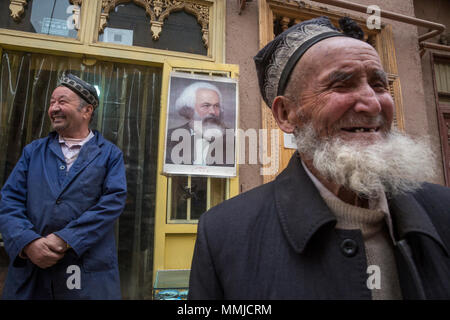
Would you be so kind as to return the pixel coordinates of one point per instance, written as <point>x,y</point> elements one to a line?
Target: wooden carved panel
<point>158,10</point>
<point>17,8</point>
<point>76,12</point>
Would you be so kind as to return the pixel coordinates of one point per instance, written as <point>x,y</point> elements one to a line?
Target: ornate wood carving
<point>76,12</point>
<point>285,23</point>
<point>17,7</point>
<point>158,10</point>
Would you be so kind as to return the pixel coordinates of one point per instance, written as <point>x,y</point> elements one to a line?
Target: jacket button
<point>349,247</point>
<point>58,201</point>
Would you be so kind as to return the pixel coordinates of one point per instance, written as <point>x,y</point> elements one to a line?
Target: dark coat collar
<point>300,207</point>
<point>411,218</point>
<point>302,211</point>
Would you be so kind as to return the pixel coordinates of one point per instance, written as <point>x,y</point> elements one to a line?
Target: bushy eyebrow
<point>339,75</point>
<point>380,75</point>
<point>342,76</point>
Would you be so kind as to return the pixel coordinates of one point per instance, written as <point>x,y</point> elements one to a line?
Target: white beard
<point>209,127</point>
<point>394,164</point>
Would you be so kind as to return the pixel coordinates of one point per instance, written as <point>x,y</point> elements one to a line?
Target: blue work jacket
<point>80,206</point>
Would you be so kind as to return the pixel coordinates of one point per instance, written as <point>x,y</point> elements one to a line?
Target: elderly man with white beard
<point>202,140</point>
<point>351,216</point>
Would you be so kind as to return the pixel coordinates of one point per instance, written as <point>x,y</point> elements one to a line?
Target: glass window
<point>128,115</point>
<point>50,17</point>
<point>189,197</point>
<point>179,195</point>
<point>199,186</point>
<point>442,74</point>
<point>128,24</point>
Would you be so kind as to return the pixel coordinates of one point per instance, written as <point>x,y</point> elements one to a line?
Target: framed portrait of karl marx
<point>201,125</point>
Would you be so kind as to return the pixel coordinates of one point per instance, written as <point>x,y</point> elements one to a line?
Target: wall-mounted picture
<point>201,125</point>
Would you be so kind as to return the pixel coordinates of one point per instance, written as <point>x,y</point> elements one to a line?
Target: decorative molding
<point>76,12</point>
<point>158,10</point>
<point>17,8</point>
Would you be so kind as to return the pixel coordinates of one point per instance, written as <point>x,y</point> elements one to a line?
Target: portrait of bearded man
<point>202,139</point>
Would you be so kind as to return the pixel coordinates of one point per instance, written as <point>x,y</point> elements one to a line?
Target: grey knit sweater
<point>378,243</point>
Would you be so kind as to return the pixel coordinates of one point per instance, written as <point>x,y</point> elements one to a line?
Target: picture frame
<point>201,125</point>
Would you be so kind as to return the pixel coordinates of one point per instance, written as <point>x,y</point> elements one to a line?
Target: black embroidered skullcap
<point>85,90</point>
<point>275,62</point>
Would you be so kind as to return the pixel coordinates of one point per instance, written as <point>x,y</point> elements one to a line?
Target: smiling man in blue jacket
<point>59,205</point>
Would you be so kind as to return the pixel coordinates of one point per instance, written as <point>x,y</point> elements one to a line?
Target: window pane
<point>128,115</point>
<point>179,194</point>
<point>442,71</point>
<point>198,202</point>
<point>41,16</point>
<point>128,24</point>
<point>218,191</point>
<point>193,196</point>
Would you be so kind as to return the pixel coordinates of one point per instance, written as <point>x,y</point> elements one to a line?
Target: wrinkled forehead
<point>340,50</point>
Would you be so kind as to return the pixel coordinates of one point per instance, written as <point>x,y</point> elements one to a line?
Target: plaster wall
<point>241,46</point>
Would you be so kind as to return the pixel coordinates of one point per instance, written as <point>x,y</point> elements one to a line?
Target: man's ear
<point>89,110</point>
<point>282,110</point>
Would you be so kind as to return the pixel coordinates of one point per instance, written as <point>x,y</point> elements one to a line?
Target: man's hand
<point>55,243</point>
<point>39,252</point>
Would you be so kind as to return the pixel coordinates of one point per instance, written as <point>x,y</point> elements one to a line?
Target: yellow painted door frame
<point>174,242</point>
